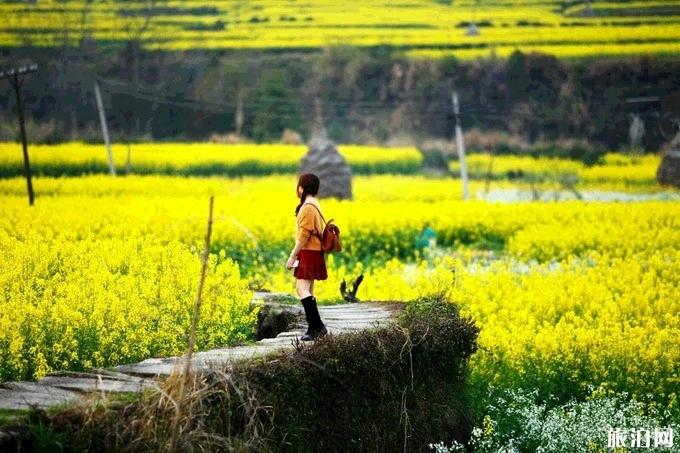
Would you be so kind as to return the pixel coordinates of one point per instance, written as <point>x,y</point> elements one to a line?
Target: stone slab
<point>96,383</point>
<point>67,387</point>
<point>23,395</point>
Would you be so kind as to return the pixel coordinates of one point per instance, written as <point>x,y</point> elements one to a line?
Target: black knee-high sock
<point>307,304</point>
<point>315,314</point>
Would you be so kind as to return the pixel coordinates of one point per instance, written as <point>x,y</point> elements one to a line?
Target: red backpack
<point>330,238</point>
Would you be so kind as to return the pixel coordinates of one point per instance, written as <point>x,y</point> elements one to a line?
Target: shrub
<point>516,421</point>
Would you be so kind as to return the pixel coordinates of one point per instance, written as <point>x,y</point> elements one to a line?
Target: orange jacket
<point>309,222</point>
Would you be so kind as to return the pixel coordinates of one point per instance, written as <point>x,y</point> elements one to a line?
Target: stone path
<point>66,387</point>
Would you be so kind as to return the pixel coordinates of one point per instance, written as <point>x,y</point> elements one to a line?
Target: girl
<point>307,252</point>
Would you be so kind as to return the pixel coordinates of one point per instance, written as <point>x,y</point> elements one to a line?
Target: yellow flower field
<point>99,300</point>
<point>428,28</point>
<point>104,270</point>
<point>616,169</point>
<point>73,158</point>
<point>617,172</point>
<point>600,320</point>
<point>590,319</point>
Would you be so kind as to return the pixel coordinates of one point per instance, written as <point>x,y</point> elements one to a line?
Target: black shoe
<point>314,334</point>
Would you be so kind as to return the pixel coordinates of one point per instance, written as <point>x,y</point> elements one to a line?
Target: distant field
<point>615,171</point>
<point>198,159</point>
<point>420,28</point>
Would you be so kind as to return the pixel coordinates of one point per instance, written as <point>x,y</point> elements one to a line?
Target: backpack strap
<point>319,211</point>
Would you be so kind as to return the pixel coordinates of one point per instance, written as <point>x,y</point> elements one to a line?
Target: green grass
<point>8,416</point>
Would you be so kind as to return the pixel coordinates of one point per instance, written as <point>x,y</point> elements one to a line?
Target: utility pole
<point>105,129</point>
<point>460,147</point>
<point>13,76</point>
<point>239,110</point>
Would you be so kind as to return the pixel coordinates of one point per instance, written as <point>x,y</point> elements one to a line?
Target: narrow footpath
<point>66,387</point>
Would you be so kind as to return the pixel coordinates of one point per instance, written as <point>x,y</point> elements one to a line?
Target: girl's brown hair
<point>310,186</point>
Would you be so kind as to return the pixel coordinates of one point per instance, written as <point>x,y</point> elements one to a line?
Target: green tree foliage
<point>366,95</point>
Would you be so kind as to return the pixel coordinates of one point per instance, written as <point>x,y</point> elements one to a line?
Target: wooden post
<point>199,297</point>
<point>105,129</point>
<point>13,76</point>
<point>239,111</point>
<point>24,142</point>
<point>460,147</point>
<point>183,377</point>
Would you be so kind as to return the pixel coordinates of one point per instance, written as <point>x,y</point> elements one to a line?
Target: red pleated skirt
<point>312,265</point>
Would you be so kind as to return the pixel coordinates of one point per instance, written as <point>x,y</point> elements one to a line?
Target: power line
<point>278,105</point>
<point>122,87</point>
<point>263,100</point>
<point>282,105</point>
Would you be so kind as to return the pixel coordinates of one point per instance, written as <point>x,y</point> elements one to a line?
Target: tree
<point>278,107</point>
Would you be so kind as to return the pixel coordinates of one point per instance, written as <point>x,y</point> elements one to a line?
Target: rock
<point>434,161</point>
<point>401,140</point>
<point>23,395</point>
<point>231,138</point>
<point>106,381</point>
<point>291,137</point>
<point>324,160</point>
<point>448,147</point>
<point>271,322</point>
<point>472,30</point>
<point>668,172</point>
